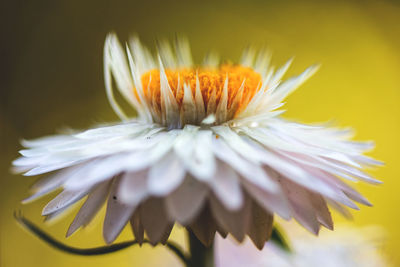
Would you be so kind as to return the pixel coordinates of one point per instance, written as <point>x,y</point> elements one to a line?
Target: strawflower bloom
<point>208,150</point>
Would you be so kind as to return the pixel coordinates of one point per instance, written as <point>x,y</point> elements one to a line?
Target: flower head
<point>207,150</point>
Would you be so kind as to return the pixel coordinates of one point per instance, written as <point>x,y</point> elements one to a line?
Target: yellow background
<point>51,78</point>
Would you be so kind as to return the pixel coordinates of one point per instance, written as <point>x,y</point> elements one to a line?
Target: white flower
<point>208,150</point>
<point>347,247</point>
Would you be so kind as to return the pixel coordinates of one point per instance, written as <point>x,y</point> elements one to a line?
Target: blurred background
<point>51,77</point>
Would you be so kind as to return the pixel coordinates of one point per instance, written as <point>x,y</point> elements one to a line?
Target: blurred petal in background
<point>346,247</point>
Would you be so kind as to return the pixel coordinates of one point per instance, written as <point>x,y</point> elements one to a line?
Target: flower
<point>347,247</point>
<point>207,150</point>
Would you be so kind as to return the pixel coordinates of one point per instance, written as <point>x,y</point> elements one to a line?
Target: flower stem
<point>200,255</point>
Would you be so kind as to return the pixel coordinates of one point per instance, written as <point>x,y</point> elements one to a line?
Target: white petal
<point>226,187</point>
<point>209,120</point>
<point>64,199</point>
<point>95,171</point>
<point>169,105</point>
<point>258,120</point>
<point>222,108</point>
<point>59,214</point>
<point>262,62</point>
<point>132,188</point>
<point>248,57</point>
<point>115,63</point>
<point>167,57</point>
<point>141,56</point>
<point>28,162</point>
<point>316,162</point>
<point>201,111</point>
<point>353,171</point>
<point>46,141</point>
<point>182,51</point>
<point>289,86</point>
<point>166,175</point>
<point>184,145</point>
<point>52,167</point>
<point>107,167</point>
<point>113,131</point>
<point>211,60</point>
<point>204,164</point>
<point>194,149</point>
<point>236,101</point>
<point>48,184</point>
<point>145,113</point>
<point>188,109</point>
<point>212,103</point>
<point>280,72</point>
<point>250,171</point>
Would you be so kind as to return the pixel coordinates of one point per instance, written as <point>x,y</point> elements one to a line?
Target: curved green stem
<point>91,251</point>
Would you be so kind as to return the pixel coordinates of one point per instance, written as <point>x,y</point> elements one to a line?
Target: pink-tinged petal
<point>294,171</point>
<point>273,202</point>
<point>315,162</point>
<point>313,179</point>
<point>260,226</point>
<point>222,232</point>
<point>347,190</point>
<point>337,194</point>
<point>185,202</point>
<point>303,209</point>
<point>204,226</point>
<point>353,171</point>
<point>90,208</point>
<point>117,215</point>
<point>339,208</point>
<point>234,222</point>
<point>137,227</point>
<point>132,187</point>
<point>155,220</point>
<point>322,210</point>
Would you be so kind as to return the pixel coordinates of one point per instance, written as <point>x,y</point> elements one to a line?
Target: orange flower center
<point>210,80</point>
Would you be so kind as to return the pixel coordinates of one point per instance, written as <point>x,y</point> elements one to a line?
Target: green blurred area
<point>51,78</point>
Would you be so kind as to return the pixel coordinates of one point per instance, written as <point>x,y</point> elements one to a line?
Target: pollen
<point>242,84</point>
